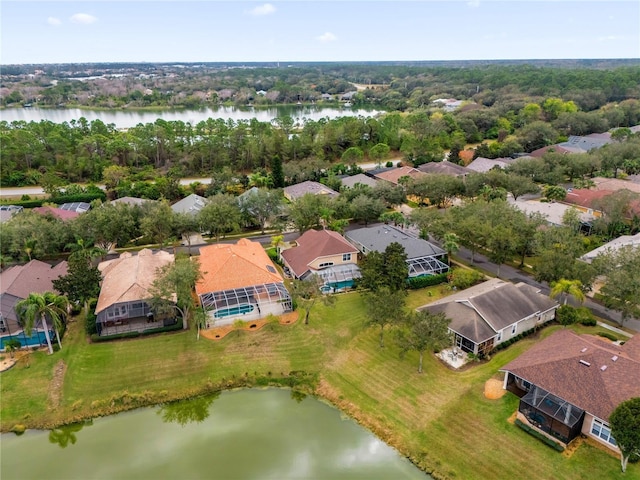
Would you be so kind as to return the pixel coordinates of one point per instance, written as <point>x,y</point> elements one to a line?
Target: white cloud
<point>83,18</point>
<point>54,21</point>
<point>266,9</point>
<point>327,37</point>
<point>473,3</point>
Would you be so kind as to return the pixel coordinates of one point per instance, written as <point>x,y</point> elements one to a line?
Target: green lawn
<point>439,418</point>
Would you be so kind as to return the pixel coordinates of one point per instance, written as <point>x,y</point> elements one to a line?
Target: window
<point>526,385</point>
<point>325,265</point>
<point>602,430</point>
<point>514,328</point>
<point>346,257</point>
<point>500,335</point>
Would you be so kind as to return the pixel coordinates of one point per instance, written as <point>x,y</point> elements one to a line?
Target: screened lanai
<point>427,265</point>
<point>338,277</point>
<point>135,316</point>
<point>245,303</point>
<point>551,414</point>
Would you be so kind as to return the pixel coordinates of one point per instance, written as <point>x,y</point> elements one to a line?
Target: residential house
<point>488,314</point>
<point>393,175</point>
<point>324,253</point>
<point>131,201</point>
<point>613,245</point>
<point>583,199</point>
<point>553,212</point>
<point>16,283</point>
<point>483,165</point>
<point>569,384</point>
<point>191,204</point>
<point>8,211</point>
<point>240,282</point>
<point>125,293</point>
<point>555,149</point>
<point>294,192</point>
<point>359,179</point>
<point>445,168</point>
<point>64,215</point>
<point>615,184</point>
<point>423,258</point>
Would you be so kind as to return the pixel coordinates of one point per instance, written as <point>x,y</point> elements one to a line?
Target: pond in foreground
<point>246,434</point>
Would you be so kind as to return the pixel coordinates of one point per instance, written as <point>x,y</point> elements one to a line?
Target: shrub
<point>426,281</point>
<point>608,335</point>
<point>585,317</point>
<point>566,315</point>
<point>462,278</point>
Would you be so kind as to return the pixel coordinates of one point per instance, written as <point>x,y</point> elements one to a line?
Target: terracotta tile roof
<point>63,215</point>
<point>396,174</point>
<point>584,197</point>
<point>581,369</point>
<point>229,266</point>
<point>313,244</point>
<point>129,277</point>
<point>34,277</point>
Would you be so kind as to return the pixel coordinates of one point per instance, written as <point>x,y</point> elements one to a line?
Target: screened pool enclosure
<point>136,316</point>
<point>246,303</point>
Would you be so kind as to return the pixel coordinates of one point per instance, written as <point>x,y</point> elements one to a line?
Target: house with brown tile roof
<point>125,292</point>
<point>16,283</point>
<point>570,384</point>
<point>583,200</point>
<point>240,282</point>
<point>324,253</point>
<point>395,174</point>
<point>486,315</point>
<point>58,213</point>
<point>294,192</point>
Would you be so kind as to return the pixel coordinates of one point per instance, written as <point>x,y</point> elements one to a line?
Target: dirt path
<point>493,389</point>
<point>55,387</point>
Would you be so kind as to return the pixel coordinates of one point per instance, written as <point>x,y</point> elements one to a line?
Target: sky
<point>307,30</point>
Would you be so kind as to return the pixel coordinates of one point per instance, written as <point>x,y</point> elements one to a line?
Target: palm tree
<point>567,287</point>
<point>43,305</point>
<point>450,244</point>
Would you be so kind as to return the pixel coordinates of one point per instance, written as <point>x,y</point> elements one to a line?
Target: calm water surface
<point>129,118</point>
<point>247,434</point>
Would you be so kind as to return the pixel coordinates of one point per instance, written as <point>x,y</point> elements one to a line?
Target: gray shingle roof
<point>379,237</point>
<point>361,178</point>
<point>191,204</point>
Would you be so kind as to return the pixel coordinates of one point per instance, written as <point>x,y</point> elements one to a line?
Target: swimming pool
<point>237,310</point>
<point>36,339</point>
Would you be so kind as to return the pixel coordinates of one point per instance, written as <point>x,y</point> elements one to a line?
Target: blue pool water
<point>237,310</point>
<point>337,286</point>
<point>36,339</point>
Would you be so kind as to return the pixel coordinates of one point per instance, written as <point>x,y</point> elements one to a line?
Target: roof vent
<point>603,368</point>
<point>586,364</point>
<point>614,358</point>
<point>584,349</point>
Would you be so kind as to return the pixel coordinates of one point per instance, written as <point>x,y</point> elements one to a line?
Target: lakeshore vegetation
<point>440,419</point>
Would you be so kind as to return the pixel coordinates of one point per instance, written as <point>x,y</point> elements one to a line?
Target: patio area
<point>453,356</point>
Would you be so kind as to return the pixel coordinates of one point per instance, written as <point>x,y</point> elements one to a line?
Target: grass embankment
<point>440,419</point>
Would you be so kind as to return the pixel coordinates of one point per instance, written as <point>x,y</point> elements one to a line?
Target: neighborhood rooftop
<point>586,371</point>
<point>379,237</point>
<point>129,277</point>
<point>35,276</point>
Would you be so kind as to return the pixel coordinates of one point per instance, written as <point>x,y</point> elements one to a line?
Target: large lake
<point>245,434</point>
<point>131,118</point>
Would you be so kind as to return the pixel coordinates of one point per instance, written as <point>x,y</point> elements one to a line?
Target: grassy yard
<point>440,418</point>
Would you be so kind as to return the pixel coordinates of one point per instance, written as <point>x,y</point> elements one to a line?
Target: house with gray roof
<point>191,204</point>
<point>588,142</point>
<point>362,179</point>
<point>483,165</point>
<point>553,212</point>
<point>16,283</point>
<point>423,258</point>
<point>632,241</point>
<point>488,314</point>
<point>445,168</point>
<point>131,201</point>
<point>294,192</point>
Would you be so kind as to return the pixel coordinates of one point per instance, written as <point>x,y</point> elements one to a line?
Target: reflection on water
<point>131,118</point>
<point>245,434</point>
<point>187,411</point>
<point>63,436</point>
